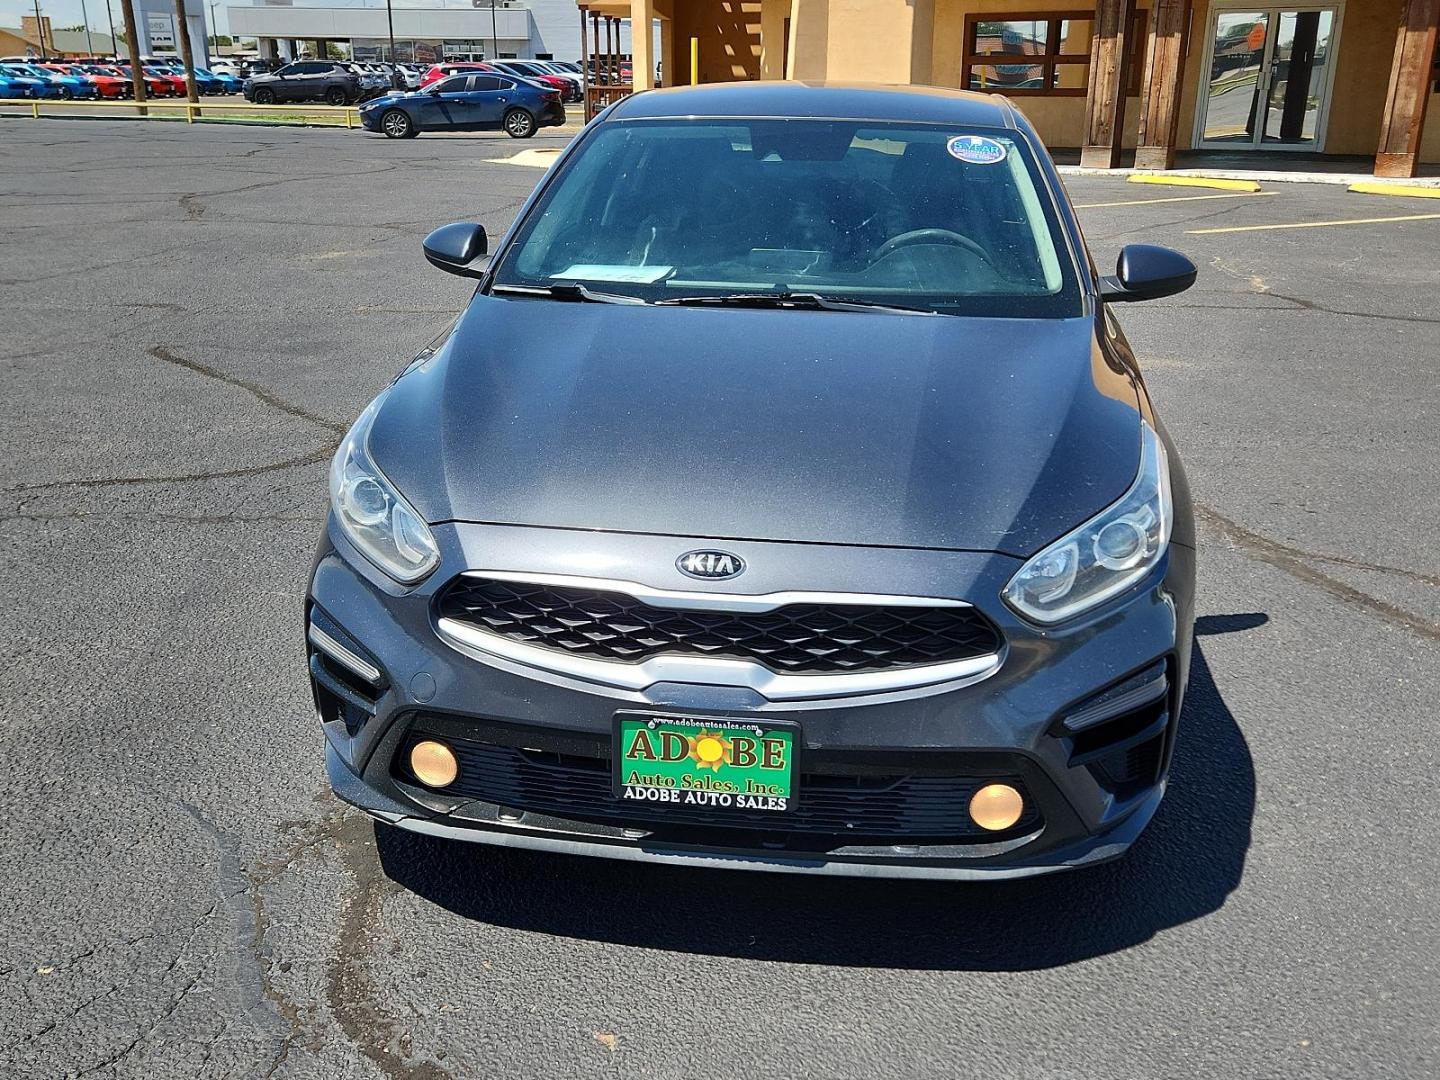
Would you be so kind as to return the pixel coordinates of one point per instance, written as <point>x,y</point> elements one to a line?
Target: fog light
<point>434,764</point>
<point>996,807</point>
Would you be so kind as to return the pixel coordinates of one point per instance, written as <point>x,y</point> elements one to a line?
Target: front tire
<point>519,124</point>
<point>397,125</point>
<point>264,96</point>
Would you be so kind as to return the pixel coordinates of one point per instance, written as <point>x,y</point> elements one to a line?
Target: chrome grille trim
<point>715,671</point>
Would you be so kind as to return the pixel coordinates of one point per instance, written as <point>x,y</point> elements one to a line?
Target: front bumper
<point>1089,797</point>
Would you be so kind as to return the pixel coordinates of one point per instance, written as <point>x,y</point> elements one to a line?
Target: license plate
<point>704,763</point>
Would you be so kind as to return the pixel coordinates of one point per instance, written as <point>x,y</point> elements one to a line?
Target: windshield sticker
<point>641,275</point>
<point>976,149</point>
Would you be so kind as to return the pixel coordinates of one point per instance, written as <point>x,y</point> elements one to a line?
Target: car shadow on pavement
<point>1182,868</point>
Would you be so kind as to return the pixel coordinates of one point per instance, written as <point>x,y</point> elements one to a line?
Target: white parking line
<point>1314,224</point>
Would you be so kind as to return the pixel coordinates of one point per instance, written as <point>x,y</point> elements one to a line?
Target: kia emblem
<point>710,565</point>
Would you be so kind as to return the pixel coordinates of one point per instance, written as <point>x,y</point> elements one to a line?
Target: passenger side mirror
<point>455,248</point>
<point>1147,272</point>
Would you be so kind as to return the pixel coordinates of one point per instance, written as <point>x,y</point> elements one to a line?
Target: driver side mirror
<point>1147,272</point>
<point>456,249</point>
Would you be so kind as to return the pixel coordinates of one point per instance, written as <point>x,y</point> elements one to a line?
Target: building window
<point>1045,53</point>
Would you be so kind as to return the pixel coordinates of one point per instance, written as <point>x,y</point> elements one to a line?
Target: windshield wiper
<point>568,290</point>
<point>788,299</point>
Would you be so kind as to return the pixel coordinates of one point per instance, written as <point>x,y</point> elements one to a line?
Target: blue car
<point>466,102</point>
<point>12,87</point>
<point>219,82</point>
<point>35,87</point>
<point>67,86</point>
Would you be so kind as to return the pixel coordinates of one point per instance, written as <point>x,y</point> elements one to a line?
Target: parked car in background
<point>155,86</point>
<point>305,80</point>
<point>35,86</point>
<point>221,82</point>
<point>532,70</point>
<point>106,86</point>
<point>470,101</point>
<point>565,73</point>
<point>15,87</point>
<point>437,72</point>
<point>109,84</point>
<point>373,81</point>
<point>413,74</point>
<point>175,83</point>
<point>69,86</point>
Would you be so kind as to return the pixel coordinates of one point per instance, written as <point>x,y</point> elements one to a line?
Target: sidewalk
<point>1260,165</point>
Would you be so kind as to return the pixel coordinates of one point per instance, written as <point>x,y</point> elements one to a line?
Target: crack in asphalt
<point>260,393</point>
<point>1296,563</point>
<point>350,994</point>
<point>267,1008</point>
<point>348,989</point>
<point>161,353</point>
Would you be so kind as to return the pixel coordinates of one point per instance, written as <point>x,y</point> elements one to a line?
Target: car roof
<point>839,101</point>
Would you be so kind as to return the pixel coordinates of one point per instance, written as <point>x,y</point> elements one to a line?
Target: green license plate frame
<point>756,769</point>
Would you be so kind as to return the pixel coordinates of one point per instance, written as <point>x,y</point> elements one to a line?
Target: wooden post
<point>132,43</point>
<point>1403,121</point>
<point>187,55</point>
<point>609,55</point>
<point>1164,71</point>
<point>585,79</point>
<point>1109,74</point>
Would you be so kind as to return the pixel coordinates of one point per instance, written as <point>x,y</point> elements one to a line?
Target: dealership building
<point>436,30</point>
<point>1278,83</point>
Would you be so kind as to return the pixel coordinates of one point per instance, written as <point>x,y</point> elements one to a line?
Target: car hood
<point>792,425</point>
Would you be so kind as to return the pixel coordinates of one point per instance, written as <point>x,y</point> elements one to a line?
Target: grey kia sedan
<point>787,498</point>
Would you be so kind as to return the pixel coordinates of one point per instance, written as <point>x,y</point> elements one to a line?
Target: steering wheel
<point>930,236</point>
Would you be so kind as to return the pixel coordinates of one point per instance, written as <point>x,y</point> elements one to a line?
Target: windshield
<point>948,220</point>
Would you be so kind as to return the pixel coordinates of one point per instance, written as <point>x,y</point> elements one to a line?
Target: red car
<point>439,71</point>
<point>109,86</point>
<point>176,82</point>
<point>154,85</point>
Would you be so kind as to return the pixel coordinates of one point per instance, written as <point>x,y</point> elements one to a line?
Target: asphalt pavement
<point>192,316</point>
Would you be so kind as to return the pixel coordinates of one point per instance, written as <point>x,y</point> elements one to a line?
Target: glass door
<point>1270,71</point>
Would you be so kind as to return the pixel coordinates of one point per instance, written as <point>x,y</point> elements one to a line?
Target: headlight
<point>375,516</point>
<point>1107,554</point>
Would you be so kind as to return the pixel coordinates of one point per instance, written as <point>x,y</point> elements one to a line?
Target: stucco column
<point>773,14</point>
<point>642,43</point>
<point>886,41</point>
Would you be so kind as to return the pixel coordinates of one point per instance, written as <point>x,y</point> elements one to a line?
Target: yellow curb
<point>536,159</point>
<point>1194,181</point>
<point>1368,188</point>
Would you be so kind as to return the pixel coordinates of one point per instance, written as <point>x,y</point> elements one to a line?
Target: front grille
<point>846,808</point>
<point>797,638</point>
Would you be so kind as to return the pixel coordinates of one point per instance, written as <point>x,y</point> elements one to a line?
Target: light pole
<point>114,45</point>
<point>494,34</point>
<point>40,30</point>
<point>214,30</point>
<point>390,22</point>
<point>85,15</point>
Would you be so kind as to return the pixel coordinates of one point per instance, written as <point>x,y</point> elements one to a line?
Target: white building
<point>424,31</point>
